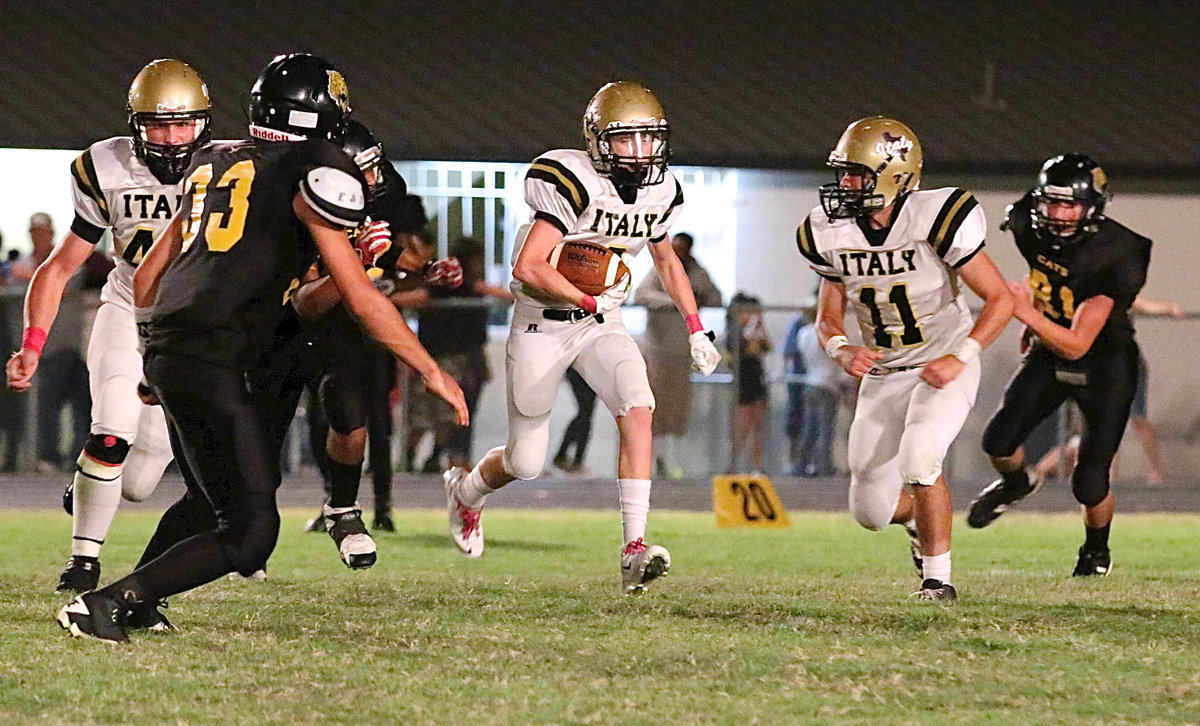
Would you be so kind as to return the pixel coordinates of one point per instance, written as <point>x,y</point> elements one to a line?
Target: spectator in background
<point>823,384</point>
<point>12,409</point>
<point>668,355</point>
<point>748,339</point>
<point>41,234</point>
<point>11,259</point>
<point>573,448</point>
<point>1137,413</point>
<point>454,331</point>
<point>63,375</point>
<point>794,371</point>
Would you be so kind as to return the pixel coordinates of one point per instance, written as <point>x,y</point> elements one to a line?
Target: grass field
<point>810,625</point>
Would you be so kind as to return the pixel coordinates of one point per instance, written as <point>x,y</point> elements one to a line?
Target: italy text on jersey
<point>563,188</point>
<point>903,288</point>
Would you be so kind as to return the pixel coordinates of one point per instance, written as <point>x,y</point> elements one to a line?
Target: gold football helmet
<point>888,156</point>
<point>629,114</point>
<point>168,91</point>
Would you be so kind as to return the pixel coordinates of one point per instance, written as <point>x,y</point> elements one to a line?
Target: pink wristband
<point>588,303</point>
<point>693,323</point>
<point>35,340</point>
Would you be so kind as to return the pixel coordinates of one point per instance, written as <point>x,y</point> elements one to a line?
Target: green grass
<point>811,625</point>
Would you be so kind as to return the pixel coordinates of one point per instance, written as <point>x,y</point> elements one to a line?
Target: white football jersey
<point>563,188</point>
<point>902,286</point>
<point>113,189</point>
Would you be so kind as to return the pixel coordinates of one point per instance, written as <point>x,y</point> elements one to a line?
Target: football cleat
<point>68,500</point>
<point>466,524</point>
<point>147,616</point>
<point>256,576</point>
<point>641,564</point>
<point>1091,563</point>
<point>383,522</point>
<point>914,548</point>
<point>316,524</point>
<point>346,529</point>
<point>936,590</point>
<point>995,498</point>
<point>82,574</point>
<point>95,615</point>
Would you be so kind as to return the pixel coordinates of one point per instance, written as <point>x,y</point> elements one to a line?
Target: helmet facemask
<point>168,161</point>
<point>634,155</point>
<point>370,162</point>
<point>847,202</point>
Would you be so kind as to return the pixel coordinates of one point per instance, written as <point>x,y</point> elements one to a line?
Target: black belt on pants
<point>573,315</point>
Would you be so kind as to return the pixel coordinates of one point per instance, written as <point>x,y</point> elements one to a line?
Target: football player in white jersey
<point>896,255</point>
<point>617,193</point>
<point>131,185</point>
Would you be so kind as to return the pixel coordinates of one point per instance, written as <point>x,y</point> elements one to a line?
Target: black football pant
<point>224,438</point>
<point>1103,387</point>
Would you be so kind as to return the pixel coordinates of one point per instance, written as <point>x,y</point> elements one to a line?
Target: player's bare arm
<point>42,301</point>
<point>831,331</point>
<point>1071,343</point>
<point>984,279</point>
<point>674,278</point>
<point>316,295</point>
<point>375,312</point>
<point>160,256</point>
<point>675,282</point>
<point>533,264</point>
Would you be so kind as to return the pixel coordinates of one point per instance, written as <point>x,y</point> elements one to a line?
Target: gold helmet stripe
<point>804,243</point>
<point>84,171</point>
<point>565,182</point>
<point>952,215</point>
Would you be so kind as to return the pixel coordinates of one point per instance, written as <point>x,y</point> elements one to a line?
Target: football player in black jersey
<point>1084,272</point>
<point>335,362</point>
<point>254,217</point>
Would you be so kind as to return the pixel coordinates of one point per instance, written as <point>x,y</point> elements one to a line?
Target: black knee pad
<point>107,448</point>
<point>998,440</point>
<point>1089,484</point>
<point>343,402</point>
<point>249,537</point>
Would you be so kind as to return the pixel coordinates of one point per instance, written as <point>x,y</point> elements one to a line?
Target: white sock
<point>95,506</point>
<point>937,567</point>
<point>473,489</point>
<point>635,507</point>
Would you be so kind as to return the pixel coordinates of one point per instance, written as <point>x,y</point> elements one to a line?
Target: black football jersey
<point>244,250</point>
<point>1063,273</point>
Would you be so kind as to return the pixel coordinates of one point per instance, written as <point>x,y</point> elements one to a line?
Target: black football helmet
<point>360,144</point>
<point>1070,178</point>
<point>299,96</point>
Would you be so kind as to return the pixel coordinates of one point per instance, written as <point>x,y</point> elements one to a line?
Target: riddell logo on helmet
<point>894,145</point>
<point>266,134</point>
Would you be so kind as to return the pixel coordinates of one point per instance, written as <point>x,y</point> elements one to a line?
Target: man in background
<point>668,355</point>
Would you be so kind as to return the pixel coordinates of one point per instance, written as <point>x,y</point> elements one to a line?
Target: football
<point>590,267</point>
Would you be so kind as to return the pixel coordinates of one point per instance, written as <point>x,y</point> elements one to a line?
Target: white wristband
<point>834,344</point>
<point>967,350</point>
